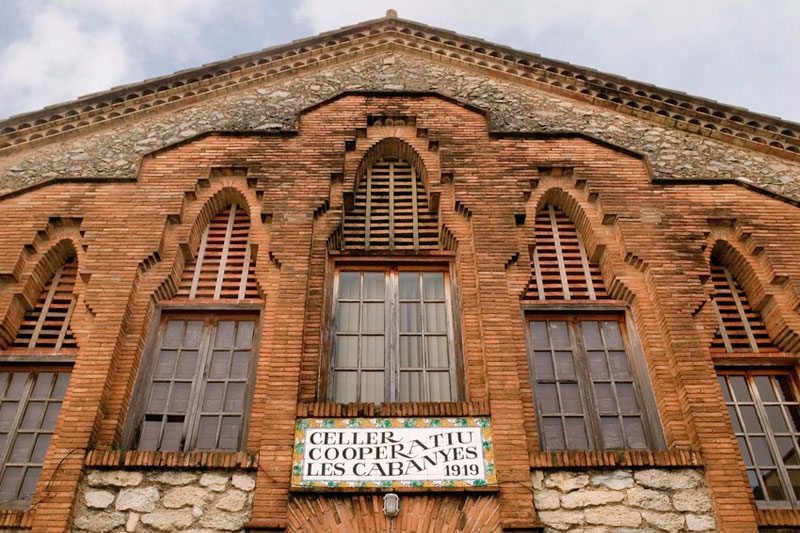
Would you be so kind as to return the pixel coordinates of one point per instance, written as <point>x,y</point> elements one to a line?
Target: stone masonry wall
<point>623,501</point>
<point>163,500</point>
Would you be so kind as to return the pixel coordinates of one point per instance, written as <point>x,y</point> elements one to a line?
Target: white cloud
<point>71,47</point>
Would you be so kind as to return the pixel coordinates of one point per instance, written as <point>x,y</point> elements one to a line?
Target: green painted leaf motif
<point>386,483</point>
<point>436,422</point>
<point>448,483</point>
<point>487,445</point>
<point>409,423</point>
<point>483,422</point>
<point>490,469</point>
<point>302,424</point>
<point>332,484</point>
<point>354,423</point>
<point>478,483</point>
<point>327,423</point>
<point>297,471</point>
<point>461,421</point>
<point>416,484</point>
<point>299,448</point>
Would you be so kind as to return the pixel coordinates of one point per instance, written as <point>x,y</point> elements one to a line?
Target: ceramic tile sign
<point>340,453</point>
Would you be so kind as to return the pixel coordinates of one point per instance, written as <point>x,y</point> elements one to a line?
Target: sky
<point>740,52</point>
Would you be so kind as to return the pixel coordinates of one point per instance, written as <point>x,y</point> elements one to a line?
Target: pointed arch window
<point>739,327</point>
<point>196,378</point>
<point>33,384</point>
<point>391,210</point>
<point>590,386</point>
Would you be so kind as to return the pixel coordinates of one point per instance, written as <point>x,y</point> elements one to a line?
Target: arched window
<point>31,392</point>
<point>590,388</point>
<point>194,383</point>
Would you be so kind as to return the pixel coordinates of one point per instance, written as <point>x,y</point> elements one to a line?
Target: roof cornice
<point>702,116</point>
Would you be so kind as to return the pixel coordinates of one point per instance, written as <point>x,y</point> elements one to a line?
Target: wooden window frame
<point>435,263</point>
<point>575,314</point>
<point>209,314</point>
<point>749,373</point>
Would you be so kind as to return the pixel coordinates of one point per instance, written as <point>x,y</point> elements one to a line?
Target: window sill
<point>16,514</point>
<point>368,410</point>
<point>197,459</point>
<point>616,458</point>
<point>778,517</point>
<point>751,358</point>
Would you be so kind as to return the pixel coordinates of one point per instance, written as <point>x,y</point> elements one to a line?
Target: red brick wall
<point>652,243</point>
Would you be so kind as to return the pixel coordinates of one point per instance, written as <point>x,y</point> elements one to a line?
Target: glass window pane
<point>234,398</point>
<point>244,335</point>
<point>240,367</point>
<point>410,386</point>
<point>794,479</point>
<point>539,336</point>
<point>626,396</point>
<point>33,415</point>
<point>570,398</point>
<point>785,391</point>
<point>374,286</point>
<point>151,430</point>
<point>51,416</point>
<point>612,335</point>
<point>745,451</point>
<point>158,397</point>
<point>755,482</point>
<point>564,367</point>
<point>750,418</point>
<point>793,413</point>
<point>21,449</point>
<point>434,285</point>
<point>194,332</point>
<point>173,333</point>
<point>547,394</point>
<point>740,390</point>
<point>16,386</point>
<point>761,451</point>
<point>634,432</point>
<point>619,365</point>
<point>591,335</point>
<point>737,428</point>
<point>553,435</point>
<point>410,320</point>
<point>9,485</point>
<point>372,387</point>
<point>224,335</point>
<point>786,450</point>
<point>41,389</point>
<point>372,318</point>
<point>347,317</point>
<point>345,386</point>
<point>40,448</point>
<point>774,486</point>
<point>543,362</point>
<point>212,399</point>
<point>166,363</point>
<point>559,335</point>
<point>187,363</point>
<point>179,398</point>
<point>207,432</point>
<point>438,356</point>
<point>220,362</point>
<point>439,383</point>
<point>372,351</point>
<point>597,365</point>
<point>410,351</point>
<point>612,435</point>
<point>605,398</point>
<point>229,432</point>
<point>173,434</point>
<point>576,433</point>
<point>776,421</point>
<point>349,285</point>
<point>435,318</point>
<point>7,413</point>
<point>724,387</point>
<point>765,391</point>
<point>29,482</point>
<point>409,286</point>
<point>346,355</point>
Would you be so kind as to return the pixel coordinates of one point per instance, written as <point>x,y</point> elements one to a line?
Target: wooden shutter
<point>560,269</point>
<point>391,211</point>
<point>740,328</point>
<point>46,326</point>
<point>223,268</point>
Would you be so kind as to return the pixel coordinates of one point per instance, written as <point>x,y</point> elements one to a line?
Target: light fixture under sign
<point>391,505</point>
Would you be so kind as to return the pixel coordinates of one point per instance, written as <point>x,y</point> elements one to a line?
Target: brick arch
<point>443,513</point>
<point>227,195</point>
<point>31,290</point>
<point>394,147</point>
<point>748,273</point>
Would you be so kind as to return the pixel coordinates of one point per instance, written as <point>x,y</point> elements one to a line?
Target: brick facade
<point>652,242</point>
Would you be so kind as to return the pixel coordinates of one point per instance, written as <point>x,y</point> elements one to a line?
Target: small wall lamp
<point>391,505</point>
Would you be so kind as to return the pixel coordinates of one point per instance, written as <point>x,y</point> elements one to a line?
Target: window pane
<point>774,486</point>
<point>158,397</point>
<point>42,387</point>
<point>626,395</point>
<point>547,394</point>
<point>40,448</point>
<point>794,479</point>
<point>576,434</point>
<point>619,365</point>
<point>346,355</point>
<point>212,399</point>
<point>748,460</point>
<point>7,413</point>
<point>570,399</point>
<point>345,386</point>
<point>173,434</point>
<point>374,286</point>
<point>761,451</point>
<point>410,386</point>
<point>151,431</point>
<point>612,436</point>
<point>409,286</point>
<point>11,482</point>
<point>234,398</point>
<point>187,363</point>
<point>207,432</point>
<point>737,428</point>
<point>194,332</point>
<point>776,421</point>
<point>786,450</point>
<point>438,356</point>
<point>634,432</point>
<point>591,335</point>
<point>179,398</point>
<point>559,335</point>
<point>612,335</point>
<point>755,482</point>
<point>605,398</point>
<point>229,432</point>
<point>166,363</point>
<point>764,385</point>
<point>435,318</point>
<point>411,351</point>
<point>51,416</point>
<point>224,336</point>
<point>29,482</point>
<point>723,383</point>
<point>739,387</point>
<point>372,318</point>
<point>173,333</point>
<point>539,336</point>
<point>347,317</point>
<point>597,365</point>
<point>750,418</point>
<point>553,435</point>
<point>33,415</point>
<point>372,351</point>
<point>372,387</point>
<point>410,320</point>
<point>240,367</point>
<point>543,362</point>
<point>564,367</point>
<point>17,385</point>
<point>434,285</point>
<point>439,383</point>
<point>349,285</point>
<point>244,335</point>
<point>21,449</point>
